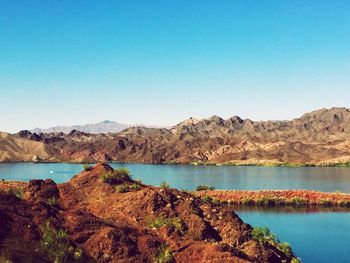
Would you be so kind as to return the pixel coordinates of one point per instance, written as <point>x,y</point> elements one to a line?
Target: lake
<point>321,236</point>
<point>189,176</point>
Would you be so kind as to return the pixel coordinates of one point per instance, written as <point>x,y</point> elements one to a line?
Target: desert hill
<point>320,137</point>
<point>17,149</point>
<point>102,215</point>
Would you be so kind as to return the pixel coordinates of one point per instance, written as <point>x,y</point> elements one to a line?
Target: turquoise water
<point>188,177</point>
<point>321,237</point>
<point>317,237</point>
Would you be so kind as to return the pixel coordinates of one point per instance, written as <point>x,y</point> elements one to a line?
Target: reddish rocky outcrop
<point>142,224</point>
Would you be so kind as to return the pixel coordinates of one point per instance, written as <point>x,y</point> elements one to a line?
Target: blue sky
<point>159,62</point>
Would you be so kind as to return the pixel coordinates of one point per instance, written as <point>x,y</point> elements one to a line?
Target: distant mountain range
<point>320,137</point>
<point>95,128</point>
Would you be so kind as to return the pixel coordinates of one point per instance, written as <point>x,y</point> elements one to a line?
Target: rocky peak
<point>216,119</point>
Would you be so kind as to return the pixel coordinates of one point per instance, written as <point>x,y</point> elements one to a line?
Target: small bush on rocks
<point>16,192</point>
<point>123,188</point>
<point>164,255</point>
<point>116,176</point>
<point>164,185</point>
<point>204,188</point>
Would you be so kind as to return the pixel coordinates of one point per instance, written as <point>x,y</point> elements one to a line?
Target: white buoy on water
<point>51,172</point>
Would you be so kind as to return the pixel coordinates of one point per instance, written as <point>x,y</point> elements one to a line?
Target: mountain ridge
<point>319,137</point>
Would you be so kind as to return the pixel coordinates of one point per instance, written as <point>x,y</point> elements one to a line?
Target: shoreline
<point>251,198</point>
<point>238,164</point>
<point>277,198</point>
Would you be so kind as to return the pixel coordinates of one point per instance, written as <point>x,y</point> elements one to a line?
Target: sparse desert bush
<point>156,222</point>
<point>123,172</point>
<point>215,201</point>
<point>285,248</point>
<point>164,255</point>
<point>52,201</point>
<point>266,201</point>
<point>204,188</point>
<point>295,260</point>
<point>57,245</point>
<point>207,198</point>
<point>164,185</point>
<point>135,187</point>
<point>139,180</point>
<point>123,188</point>
<point>174,222</point>
<point>116,176</point>
<point>263,235</point>
<point>16,192</point>
<point>298,201</point>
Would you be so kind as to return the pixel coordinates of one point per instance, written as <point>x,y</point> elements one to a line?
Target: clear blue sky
<point>159,62</point>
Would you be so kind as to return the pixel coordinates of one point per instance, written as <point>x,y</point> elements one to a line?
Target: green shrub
<point>207,198</point>
<point>215,201</point>
<point>263,235</point>
<point>52,200</point>
<point>295,260</point>
<point>123,188</point>
<point>57,245</point>
<point>164,255</point>
<point>123,172</point>
<point>135,187</point>
<point>164,185</point>
<point>204,188</point>
<point>174,222</point>
<point>16,192</point>
<point>298,201</point>
<point>110,178</point>
<point>156,222</point>
<point>116,176</point>
<point>285,248</point>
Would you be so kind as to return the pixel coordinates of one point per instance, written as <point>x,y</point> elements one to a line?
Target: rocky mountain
<point>102,215</point>
<point>320,137</point>
<point>17,149</point>
<point>101,127</point>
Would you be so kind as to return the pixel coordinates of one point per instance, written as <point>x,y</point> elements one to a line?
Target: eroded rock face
<point>140,224</point>
<point>319,137</point>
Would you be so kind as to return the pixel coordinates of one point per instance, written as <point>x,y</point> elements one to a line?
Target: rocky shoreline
<point>102,215</point>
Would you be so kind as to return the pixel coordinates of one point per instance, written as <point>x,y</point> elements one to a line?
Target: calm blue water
<point>188,176</point>
<point>320,237</point>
